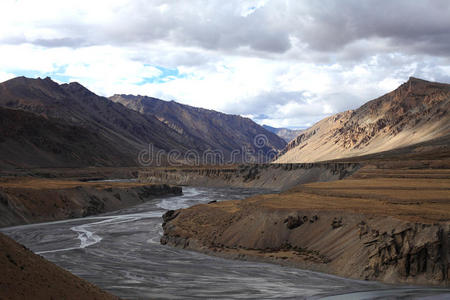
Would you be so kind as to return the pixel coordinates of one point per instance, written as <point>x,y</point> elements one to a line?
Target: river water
<point>120,252</point>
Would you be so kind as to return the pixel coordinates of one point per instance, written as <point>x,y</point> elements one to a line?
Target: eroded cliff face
<point>351,245</point>
<point>269,176</point>
<point>23,205</point>
<point>417,253</point>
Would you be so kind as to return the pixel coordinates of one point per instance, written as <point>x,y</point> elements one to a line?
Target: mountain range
<point>285,133</point>
<point>46,124</point>
<point>206,129</point>
<point>415,112</point>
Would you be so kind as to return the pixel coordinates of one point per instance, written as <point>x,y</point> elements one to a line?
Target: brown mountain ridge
<point>415,112</point>
<point>100,132</point>
<point>208,129</point>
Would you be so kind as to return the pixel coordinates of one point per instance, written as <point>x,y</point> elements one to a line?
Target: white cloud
<point>285,63</point>
<point>6,76</point>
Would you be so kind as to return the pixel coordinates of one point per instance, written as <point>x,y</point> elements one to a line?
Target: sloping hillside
<point>415,112</point>
<point>29,140</point>
<point>129,131</point>
<point>208,129</point>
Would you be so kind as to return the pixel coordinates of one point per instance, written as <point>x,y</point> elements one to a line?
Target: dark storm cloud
<point>62,42</point>
<point>409,26</point>
<point>207,24</point>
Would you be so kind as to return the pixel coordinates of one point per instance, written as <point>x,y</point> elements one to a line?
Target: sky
<point>282,63</point>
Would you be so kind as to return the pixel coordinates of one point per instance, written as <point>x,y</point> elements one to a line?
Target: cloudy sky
<point>283,63</point>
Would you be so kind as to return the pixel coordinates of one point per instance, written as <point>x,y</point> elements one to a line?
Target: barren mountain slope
<point>208,129</point>
<point>29,140</point>
<point>128,131</point>
<point>415,112</point>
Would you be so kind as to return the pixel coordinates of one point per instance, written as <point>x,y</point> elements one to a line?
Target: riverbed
<point>120,252</point>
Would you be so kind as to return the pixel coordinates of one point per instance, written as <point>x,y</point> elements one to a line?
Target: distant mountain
<point>415,112</point>
<point>207,129</point>
<point>68,125</point>
<point>284,133</point>
<point>128,131</point>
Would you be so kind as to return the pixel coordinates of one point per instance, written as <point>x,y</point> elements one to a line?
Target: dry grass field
<point>414,195</point>
<point>48,184</point>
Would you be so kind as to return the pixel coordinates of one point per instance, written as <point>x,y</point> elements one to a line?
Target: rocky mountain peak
<point>23,87</point>
<point>77,88</point>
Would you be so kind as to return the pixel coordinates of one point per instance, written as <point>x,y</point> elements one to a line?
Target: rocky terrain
<point>415,112</point>
<point>26,275</point>
<point>208,129</point>
<point>388,224</point>
<point>285,133</point>
<point>26,200</point>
